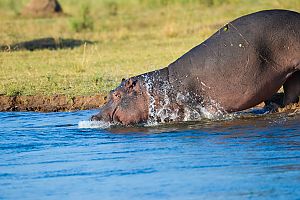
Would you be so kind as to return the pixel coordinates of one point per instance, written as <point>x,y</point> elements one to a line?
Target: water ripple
<point>46,155</point>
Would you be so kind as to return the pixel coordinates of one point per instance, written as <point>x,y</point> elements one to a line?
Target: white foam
<point>164,112</point>
<point>93,124</point>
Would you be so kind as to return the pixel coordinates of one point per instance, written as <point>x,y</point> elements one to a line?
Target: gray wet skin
<point>241,65</point>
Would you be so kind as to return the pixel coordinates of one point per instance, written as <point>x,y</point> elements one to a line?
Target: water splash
<point>149,88</point>
<point>162,109</point>
<point>94,124</point>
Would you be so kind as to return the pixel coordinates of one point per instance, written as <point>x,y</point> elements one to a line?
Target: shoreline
<point>61,102</point>
<point>54,103</point>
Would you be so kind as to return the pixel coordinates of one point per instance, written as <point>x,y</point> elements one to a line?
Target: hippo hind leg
<point>291,89</point>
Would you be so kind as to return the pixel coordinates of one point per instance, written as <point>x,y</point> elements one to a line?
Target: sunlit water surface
<point>47,156</point>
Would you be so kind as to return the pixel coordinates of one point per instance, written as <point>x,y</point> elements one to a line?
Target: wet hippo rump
<point>241,65</point>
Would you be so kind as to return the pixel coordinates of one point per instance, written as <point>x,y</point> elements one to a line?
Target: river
<point>49,156</point>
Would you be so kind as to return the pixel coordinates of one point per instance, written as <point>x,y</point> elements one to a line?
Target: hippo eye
<point>118,95</point>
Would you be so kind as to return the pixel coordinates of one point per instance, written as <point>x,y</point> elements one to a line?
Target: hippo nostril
<point>95,118</point>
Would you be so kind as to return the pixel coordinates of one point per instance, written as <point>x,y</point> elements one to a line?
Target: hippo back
<point>243,63</point>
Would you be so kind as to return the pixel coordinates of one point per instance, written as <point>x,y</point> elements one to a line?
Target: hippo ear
<point>130,84</point>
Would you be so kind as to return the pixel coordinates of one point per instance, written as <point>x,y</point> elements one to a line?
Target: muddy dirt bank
<point>50,103</point>
<point>65,103</point>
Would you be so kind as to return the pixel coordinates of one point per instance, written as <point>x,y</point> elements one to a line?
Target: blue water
<point>46,156</point>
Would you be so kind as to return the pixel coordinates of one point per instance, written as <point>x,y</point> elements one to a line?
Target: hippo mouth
<point>114,118</point>
<point>106,116</point>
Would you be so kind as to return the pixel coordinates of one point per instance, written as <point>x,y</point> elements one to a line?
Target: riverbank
<point>58,103</point>
<point>52,103</point>
<point>98,43</point>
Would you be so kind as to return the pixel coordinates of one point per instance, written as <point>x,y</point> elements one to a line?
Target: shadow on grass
<point>45,43</point>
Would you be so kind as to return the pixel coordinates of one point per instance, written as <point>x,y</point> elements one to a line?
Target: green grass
<point>132,37</point>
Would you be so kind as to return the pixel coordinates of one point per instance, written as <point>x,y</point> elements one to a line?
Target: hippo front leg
<point>292,89</point>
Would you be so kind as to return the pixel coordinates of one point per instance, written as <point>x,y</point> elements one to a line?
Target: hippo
<point>241,65</point>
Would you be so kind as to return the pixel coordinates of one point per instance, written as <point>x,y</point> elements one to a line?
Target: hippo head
<point>127,104</point>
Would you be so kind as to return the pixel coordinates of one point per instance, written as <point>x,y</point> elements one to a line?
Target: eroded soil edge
<point>50,103</point>
<point>57,103</point>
